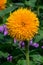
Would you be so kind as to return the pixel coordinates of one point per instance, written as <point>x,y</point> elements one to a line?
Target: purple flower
<point>36,45</point>
<point>5,30</point>
<point>42,47</point>
<point>4,26</point>
<point>1,28</point>
<point>21,44</point>
<point>9,58</point>
<point>31,42</point>
<point>15,40</point>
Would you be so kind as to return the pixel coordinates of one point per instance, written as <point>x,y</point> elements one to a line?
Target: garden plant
<point>21,32</point>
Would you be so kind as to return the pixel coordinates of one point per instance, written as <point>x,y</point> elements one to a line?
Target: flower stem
<point>27,58</point>
<point>27,53</point>
<point>38,8</point>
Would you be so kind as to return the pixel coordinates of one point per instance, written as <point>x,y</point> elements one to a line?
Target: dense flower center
<point>23,23</point>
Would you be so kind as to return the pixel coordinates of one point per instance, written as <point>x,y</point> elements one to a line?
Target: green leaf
<point>32,63</point>
<point>37,58</point>
<point>41,23</point>
<point>8,10</point>
<point>5,55</point>
<point>1,36</point>
<point>1,20</point>
<point>7,63</point>
<point>30,3</point>
<point>39,36</point>
<point>21,62</point>
<point>41,7</point>
<point>19,4</point>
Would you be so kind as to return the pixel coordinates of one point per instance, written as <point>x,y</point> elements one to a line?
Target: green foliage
<point>7,10</point>
<point>5,55</point>
<point>30,3</point>
<point>21,62</point>
<point>37,58</point>
<point>39,36</point>
<point>7,63</point>
<point>7,45</point>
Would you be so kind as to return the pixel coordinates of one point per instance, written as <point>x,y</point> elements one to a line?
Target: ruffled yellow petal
<point>2,4</point>
<point>22,24</point>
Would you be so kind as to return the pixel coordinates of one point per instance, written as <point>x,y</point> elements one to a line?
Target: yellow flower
<point>22,24</point>
<point>2,4</point>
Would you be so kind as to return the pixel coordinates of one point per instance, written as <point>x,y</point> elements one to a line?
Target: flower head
<point>42,47</point>
<point>22,24</point>
<point>31,42</point>
<point>15,40</point>
<point>1,28</point>
<point>9,58</point>
<point>36,45</point>
<point>21,44</point>
<point>2,4</point>
<point>5,30</point>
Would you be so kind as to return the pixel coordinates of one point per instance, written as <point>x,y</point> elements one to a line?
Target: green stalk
<point>38,8</point>
<point>27,52</point>
<point>27,57</point>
